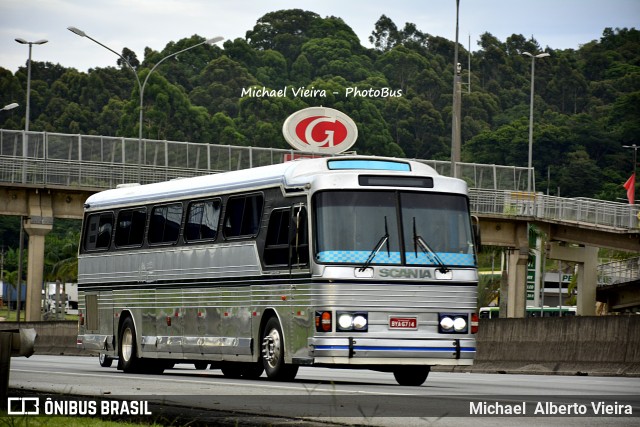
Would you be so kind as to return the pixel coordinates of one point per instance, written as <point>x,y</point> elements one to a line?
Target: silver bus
<point>357,262</point>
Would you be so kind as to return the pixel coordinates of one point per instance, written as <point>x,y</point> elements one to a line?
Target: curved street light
<point>9,106</point>
<point>530,158</point>
<point>142,85</point>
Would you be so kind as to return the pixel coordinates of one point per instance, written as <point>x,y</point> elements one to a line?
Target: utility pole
<point>455,114</point>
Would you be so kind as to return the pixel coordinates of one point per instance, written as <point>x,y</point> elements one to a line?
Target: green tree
<point>284,31</point>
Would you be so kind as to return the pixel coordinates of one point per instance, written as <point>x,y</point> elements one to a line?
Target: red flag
<point>630,186</point>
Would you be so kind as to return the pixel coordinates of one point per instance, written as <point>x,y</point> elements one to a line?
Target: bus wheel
<point>411,375</point>
<point>127,347</point>
<point>273,353</point>
<point>104,360</point>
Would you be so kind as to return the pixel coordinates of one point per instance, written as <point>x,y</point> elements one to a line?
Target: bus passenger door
<point>301,315</point>
<point>286,253</point>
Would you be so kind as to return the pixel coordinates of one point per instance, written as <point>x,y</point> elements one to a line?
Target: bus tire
<point>411,375</point>
<point>273,353</point>
<point>104,360</point>
<point>127,347</point>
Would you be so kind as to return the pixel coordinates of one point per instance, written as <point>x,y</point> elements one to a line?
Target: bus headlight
<point>451,323</point>
<point>359,322</point>
<point>459,324</point>
<point>446,324</point>
<point>345,321</point>
<point>349,321</point>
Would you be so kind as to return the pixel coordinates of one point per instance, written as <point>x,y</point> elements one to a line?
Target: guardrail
<point>579,210</point>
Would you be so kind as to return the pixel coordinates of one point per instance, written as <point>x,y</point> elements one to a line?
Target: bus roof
<point>292,174</point>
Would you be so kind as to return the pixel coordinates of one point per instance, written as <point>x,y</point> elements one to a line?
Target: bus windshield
<point>371,227</point>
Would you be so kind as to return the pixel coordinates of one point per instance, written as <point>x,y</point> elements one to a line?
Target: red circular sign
<point>320,129</point>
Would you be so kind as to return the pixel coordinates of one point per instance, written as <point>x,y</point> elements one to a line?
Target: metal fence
<point>615,272</point>
<point>43,158</point>
<point>578,210</point>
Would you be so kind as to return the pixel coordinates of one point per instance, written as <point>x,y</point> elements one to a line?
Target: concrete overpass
<point>45,176</point>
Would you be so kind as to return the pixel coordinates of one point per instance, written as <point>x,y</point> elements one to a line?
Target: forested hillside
<point>587,103</point>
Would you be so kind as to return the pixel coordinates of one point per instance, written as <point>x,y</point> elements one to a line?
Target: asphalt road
<point>351,397</point>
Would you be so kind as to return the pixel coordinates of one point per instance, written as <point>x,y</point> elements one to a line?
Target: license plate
<point>403,323</point>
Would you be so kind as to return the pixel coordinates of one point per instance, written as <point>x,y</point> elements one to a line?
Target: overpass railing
<point>579,210</point>
<point>616,272</point>
<point>101,162</point>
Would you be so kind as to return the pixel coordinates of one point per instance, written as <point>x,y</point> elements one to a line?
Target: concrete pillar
<point>587,259</point>
<point>517,281</point>
<point>517,265</point>
<point>37,226</point>
<point>587,282</point>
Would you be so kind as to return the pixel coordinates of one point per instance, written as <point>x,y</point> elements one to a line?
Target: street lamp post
<point>23,41</point>
<point>142,85</point>
<point>530,158</point>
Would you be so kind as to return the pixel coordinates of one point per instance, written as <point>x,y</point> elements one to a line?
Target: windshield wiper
<point>419,241</point>
<point>384,239</point>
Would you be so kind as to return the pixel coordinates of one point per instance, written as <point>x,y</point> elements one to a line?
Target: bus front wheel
<point>273,353</point>
<point>411,375</point>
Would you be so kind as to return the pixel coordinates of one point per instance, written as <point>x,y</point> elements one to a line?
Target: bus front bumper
<point>356,350</point>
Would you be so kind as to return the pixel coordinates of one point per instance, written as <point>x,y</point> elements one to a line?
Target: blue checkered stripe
<point>360,257</point>
<point>448,258</point>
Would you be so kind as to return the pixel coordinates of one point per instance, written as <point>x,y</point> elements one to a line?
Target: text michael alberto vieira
<point>312,92</point>
<point>596,408</point>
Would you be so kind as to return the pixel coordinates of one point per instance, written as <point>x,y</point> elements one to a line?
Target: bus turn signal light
<point>323,321</point>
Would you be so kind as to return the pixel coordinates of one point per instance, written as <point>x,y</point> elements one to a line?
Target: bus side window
<point>130,227</point>
<point>287,236</point>
<point>276,246</point>
<point>164,226</point>
<point>98,232</point>
<point>202,220</point>
<point>242,217</point>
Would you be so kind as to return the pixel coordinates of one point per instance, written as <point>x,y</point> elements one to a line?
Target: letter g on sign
<point>320,130</point>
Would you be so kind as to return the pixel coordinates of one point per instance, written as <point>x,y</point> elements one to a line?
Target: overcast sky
<point>136,24</point>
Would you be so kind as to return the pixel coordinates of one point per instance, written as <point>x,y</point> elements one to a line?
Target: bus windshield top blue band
<point>369,165</point>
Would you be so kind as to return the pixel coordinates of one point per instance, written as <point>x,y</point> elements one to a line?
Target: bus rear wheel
<point>104,360</point>
<point>127,349</point>
<point>411,375</point>
<point>273,353</point>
